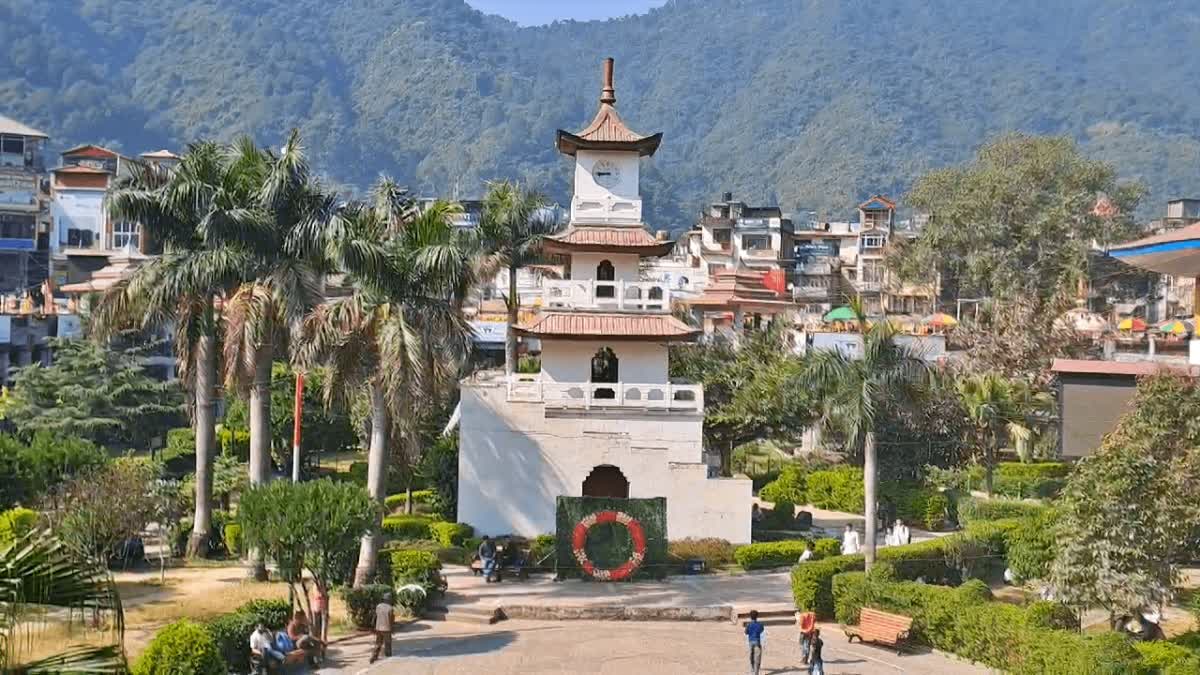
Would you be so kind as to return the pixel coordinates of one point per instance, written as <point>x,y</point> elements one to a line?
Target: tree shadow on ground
<point>457,645</point>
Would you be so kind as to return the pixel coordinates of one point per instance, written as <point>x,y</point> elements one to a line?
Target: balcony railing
<point>532,388</point>
<point>814,268</point>
<point>614,210</point>
<point>771,223</point>
<point>810,292</point>
<point>653,296</point>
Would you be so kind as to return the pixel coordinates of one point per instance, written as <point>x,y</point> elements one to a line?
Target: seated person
<point>756,514</point>
<point>301,633</point>
<point>283,643</point>
<point>262,647</point>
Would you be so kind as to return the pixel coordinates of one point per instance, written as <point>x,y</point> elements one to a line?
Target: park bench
<point>881,628</point>
<point>301,658</point>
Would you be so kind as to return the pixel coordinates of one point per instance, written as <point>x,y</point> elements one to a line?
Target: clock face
<point>606,173</point>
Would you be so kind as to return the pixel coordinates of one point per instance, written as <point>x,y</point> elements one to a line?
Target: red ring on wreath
<point>636,533</point>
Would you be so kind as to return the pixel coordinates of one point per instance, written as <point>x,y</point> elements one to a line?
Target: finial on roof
<point>608,94</point>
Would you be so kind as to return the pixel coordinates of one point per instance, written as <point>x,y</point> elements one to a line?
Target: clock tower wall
<point>606,187</point>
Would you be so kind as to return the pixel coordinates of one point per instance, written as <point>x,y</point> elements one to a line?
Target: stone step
<point>464,614</point>
<point>768,617</point>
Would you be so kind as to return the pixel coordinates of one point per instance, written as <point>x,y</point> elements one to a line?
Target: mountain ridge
<point>808,104</point>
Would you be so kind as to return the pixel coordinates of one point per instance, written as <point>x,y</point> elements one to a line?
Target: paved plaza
<point>617,648</point>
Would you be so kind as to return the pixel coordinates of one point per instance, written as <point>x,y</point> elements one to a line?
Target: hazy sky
<point>536,12</point>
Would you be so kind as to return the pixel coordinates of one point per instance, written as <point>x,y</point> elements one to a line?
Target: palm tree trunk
<point>870,483</point>
<point>206,375</point>
<point>510,337</point>
<point>260,438</point>
<point>377,456</point>
<point>989,460</point>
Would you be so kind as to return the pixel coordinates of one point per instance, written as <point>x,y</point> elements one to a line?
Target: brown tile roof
<point>611,326</point>
<point>91,151</point>
<point>1127,368</point>
<point>891,204</point>
<point>740,288</point>
<point>600,239</point>
<point>607,130</point>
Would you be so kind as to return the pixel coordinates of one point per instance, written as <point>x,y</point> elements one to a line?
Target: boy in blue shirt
<point>754,633</point>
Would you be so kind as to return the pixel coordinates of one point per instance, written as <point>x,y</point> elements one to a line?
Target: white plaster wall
<point>514,461</point>
<point>571,361</point>
<point>626,266</point>
<point>626,163</point>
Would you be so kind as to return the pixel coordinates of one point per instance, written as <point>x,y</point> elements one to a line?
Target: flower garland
<point>636,533</point>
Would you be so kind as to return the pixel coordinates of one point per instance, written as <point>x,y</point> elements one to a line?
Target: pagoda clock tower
<point>603,417</point>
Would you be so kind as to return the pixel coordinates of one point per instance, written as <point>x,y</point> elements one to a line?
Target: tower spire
<point>608,94</point>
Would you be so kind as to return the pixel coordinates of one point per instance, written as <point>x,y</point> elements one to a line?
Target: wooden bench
<point>302,658</point>
<point>880,628</point>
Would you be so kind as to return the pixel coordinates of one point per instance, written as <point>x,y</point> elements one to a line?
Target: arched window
<point>605,272</point>
<point>605,368</point>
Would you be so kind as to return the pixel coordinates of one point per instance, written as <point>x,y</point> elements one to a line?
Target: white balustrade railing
<point>653,296</point>
<point>599,395</point>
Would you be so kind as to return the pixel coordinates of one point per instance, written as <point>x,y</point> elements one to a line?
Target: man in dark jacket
<point>487,556</point>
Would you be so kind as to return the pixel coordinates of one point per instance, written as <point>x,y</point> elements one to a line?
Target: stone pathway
<point>617,648</point>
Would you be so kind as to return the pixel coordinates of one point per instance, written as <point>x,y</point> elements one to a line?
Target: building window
<point>126,234</point>
<point>605,272</point>
<point>756,242</point>
<point>873,242</point>
<point>12,151</point>
<point>722,237</point>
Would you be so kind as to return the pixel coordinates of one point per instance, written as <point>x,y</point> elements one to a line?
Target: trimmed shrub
<point>812,582</point>
<point>1031,546</point>
<point>407,527</point>
<point>714,552</point>
<point>971,509</point>
<point>234,442</point>
<point>421,567</point>
<point>826,547</point>
<point>836,489</point>
<point>16,523</point>
<point>781,517</point>
<point>361,601</point>
<point>789,485</point>
<point>181,442</point>
<point>399,501</point>
<point>181,648</point>
<point>1166,657</point>
<point>963,621</point>
<point>1044,614</point>
<point>770,554</point>
<point>1041,480</point>
<point>233,539</point>
<point>231,632</point>
<point>451,534</point>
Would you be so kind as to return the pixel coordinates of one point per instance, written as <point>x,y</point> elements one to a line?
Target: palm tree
<point>287,245</point>
<point>397,332</point>
<point>999,408</point>
<point>511,230</point>
<point>192,211</point>
<point>39,574</point>
<point>856,390</point>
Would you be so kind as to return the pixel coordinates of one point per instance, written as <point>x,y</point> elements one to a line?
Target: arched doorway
<point>605,368</point>
<point>606,272</point>
<point>606,480</point>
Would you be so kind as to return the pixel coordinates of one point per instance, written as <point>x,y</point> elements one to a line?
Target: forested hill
<point>810,103</point>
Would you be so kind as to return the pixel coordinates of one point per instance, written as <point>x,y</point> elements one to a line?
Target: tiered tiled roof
<point>607,325</point>
<point>607,131</point>
<point>601,239</point>
<point>740,288</point>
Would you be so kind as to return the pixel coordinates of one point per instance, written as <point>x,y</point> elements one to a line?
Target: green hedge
<point>1031,546</point>
<point>972,509</point>
<point>976,552</point>
<point>233,539</point>
<point>782,553</point>
<point>181,647</point>
<point>16,523</point>
<point>399,501</point>
<point>231,632</point>
<point>451,534</point>
<point>789,485</point>
<point>1042,480</point>
<point>841,489</point>
<point>963,621</point>
<point>360,603</point>
<point>408,527</point>
<point>415,566</point>
<point>234,442</point>
<point>836,489</point>
<point>714,552</point>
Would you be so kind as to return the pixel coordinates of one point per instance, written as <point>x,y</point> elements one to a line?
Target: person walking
<point>807,623</point>
<point>850,541</point>
<point>816,662</point>
<point>754,633</point>
<point>385,617</point>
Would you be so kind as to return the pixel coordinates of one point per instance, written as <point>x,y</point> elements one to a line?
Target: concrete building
<point>603,417</point>
<point>24,209</point>
<point>734,234</point>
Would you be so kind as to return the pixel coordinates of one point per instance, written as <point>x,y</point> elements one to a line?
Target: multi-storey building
<point>603,417</point>
<point>733,235</point>
<point>821,250</point>
<point>23,208</point>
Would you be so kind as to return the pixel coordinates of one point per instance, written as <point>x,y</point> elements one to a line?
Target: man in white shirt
<point>902,535</point>
<point>262,646</point>
<point>850,542</point>
<point>807,554</point>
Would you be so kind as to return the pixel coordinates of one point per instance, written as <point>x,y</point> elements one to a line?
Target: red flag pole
<point>297,414</point>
